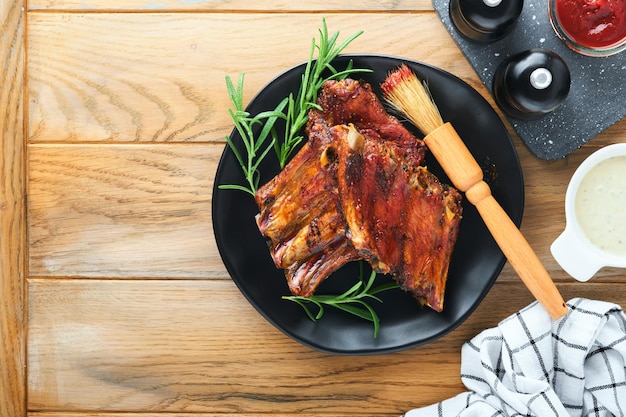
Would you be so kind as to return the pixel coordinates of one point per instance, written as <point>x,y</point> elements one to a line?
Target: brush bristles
<point>407,95</point>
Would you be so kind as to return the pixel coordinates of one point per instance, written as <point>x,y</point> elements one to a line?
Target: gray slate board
<point>597,97</point>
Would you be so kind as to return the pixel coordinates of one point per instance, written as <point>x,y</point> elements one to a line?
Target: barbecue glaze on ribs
<point>301,215</point>
<point>400,217</point>
<point>358,190</point>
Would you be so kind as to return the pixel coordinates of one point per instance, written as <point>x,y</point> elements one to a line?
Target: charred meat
<point>358,190</point>
<point>353,102</point>
<point>301,215</point>
<point>400,217</point>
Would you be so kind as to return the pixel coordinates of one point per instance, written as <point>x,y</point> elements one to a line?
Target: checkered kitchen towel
<point>531,365</point>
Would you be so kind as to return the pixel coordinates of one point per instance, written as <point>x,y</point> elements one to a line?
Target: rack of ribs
<point>301,215</point>
<point>358,190</point>
<point>400,217</point>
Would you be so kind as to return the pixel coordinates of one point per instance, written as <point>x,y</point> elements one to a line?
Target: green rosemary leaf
<point>370,281</point>
<point>356,311</point>
<point>309,313</point>
<point>233,148</point>
<point>235,187</point>
<point>235,94</point>
<point>352,292</point>
<point>375,318</point>
<point>383,287</point>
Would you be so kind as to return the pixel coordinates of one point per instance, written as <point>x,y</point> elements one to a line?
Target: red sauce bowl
<point>590,27</point>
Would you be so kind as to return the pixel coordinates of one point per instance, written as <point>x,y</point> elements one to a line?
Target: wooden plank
<point>140,210</point>
<point>232,5</point>
<point>122,211</point>
<point>163,347</point>
<point>160,77</point>
<point>12,220</point>
<point>180,414</point>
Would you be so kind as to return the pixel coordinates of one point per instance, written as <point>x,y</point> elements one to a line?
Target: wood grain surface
<point>162,346</point>
<point>12,211</point>
<point>115,302</point>
<point>159,77</point>
<point>122,211</point>
<point>267,6</point>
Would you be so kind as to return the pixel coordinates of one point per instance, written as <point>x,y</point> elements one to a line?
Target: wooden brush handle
<point>466,175</point>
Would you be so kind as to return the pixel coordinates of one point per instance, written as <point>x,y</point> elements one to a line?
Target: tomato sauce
<point>593,23</point>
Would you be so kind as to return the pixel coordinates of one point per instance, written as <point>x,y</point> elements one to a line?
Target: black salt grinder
<point>531,84</point>
<point>485,20</point>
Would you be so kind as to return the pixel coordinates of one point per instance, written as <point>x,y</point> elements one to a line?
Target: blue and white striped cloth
<point>531,365</point>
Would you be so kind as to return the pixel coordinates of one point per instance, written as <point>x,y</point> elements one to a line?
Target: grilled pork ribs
<point>358,190</point>
<point>301,215</point>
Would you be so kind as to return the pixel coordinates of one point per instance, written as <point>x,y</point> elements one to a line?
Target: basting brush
<point>407,95</point>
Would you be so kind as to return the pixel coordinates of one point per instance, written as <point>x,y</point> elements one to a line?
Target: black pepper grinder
<point>531,84</point>
<point>485,20</point>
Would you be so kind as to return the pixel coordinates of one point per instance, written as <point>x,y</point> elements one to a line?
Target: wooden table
<point>114,300</point>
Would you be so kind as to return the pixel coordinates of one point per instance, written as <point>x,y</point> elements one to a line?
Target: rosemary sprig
<point>312,80</point>
<point>293,110</point>
<point>353,301</point>
<point>255,144</point>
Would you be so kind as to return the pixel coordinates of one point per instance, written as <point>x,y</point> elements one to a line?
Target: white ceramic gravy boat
<point>573,250</point>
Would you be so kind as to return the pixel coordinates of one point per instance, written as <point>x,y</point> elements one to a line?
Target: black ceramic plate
<point>476,261</point>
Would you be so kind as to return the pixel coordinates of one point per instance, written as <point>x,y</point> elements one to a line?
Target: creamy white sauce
<point>601,205</point>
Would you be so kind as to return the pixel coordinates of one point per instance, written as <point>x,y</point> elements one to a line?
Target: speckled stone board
<point>597,96</point>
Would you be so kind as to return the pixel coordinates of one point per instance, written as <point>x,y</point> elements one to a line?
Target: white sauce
<point>601,205</point>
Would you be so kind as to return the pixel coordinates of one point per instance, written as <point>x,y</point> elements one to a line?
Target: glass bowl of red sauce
<point>590,27</point>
